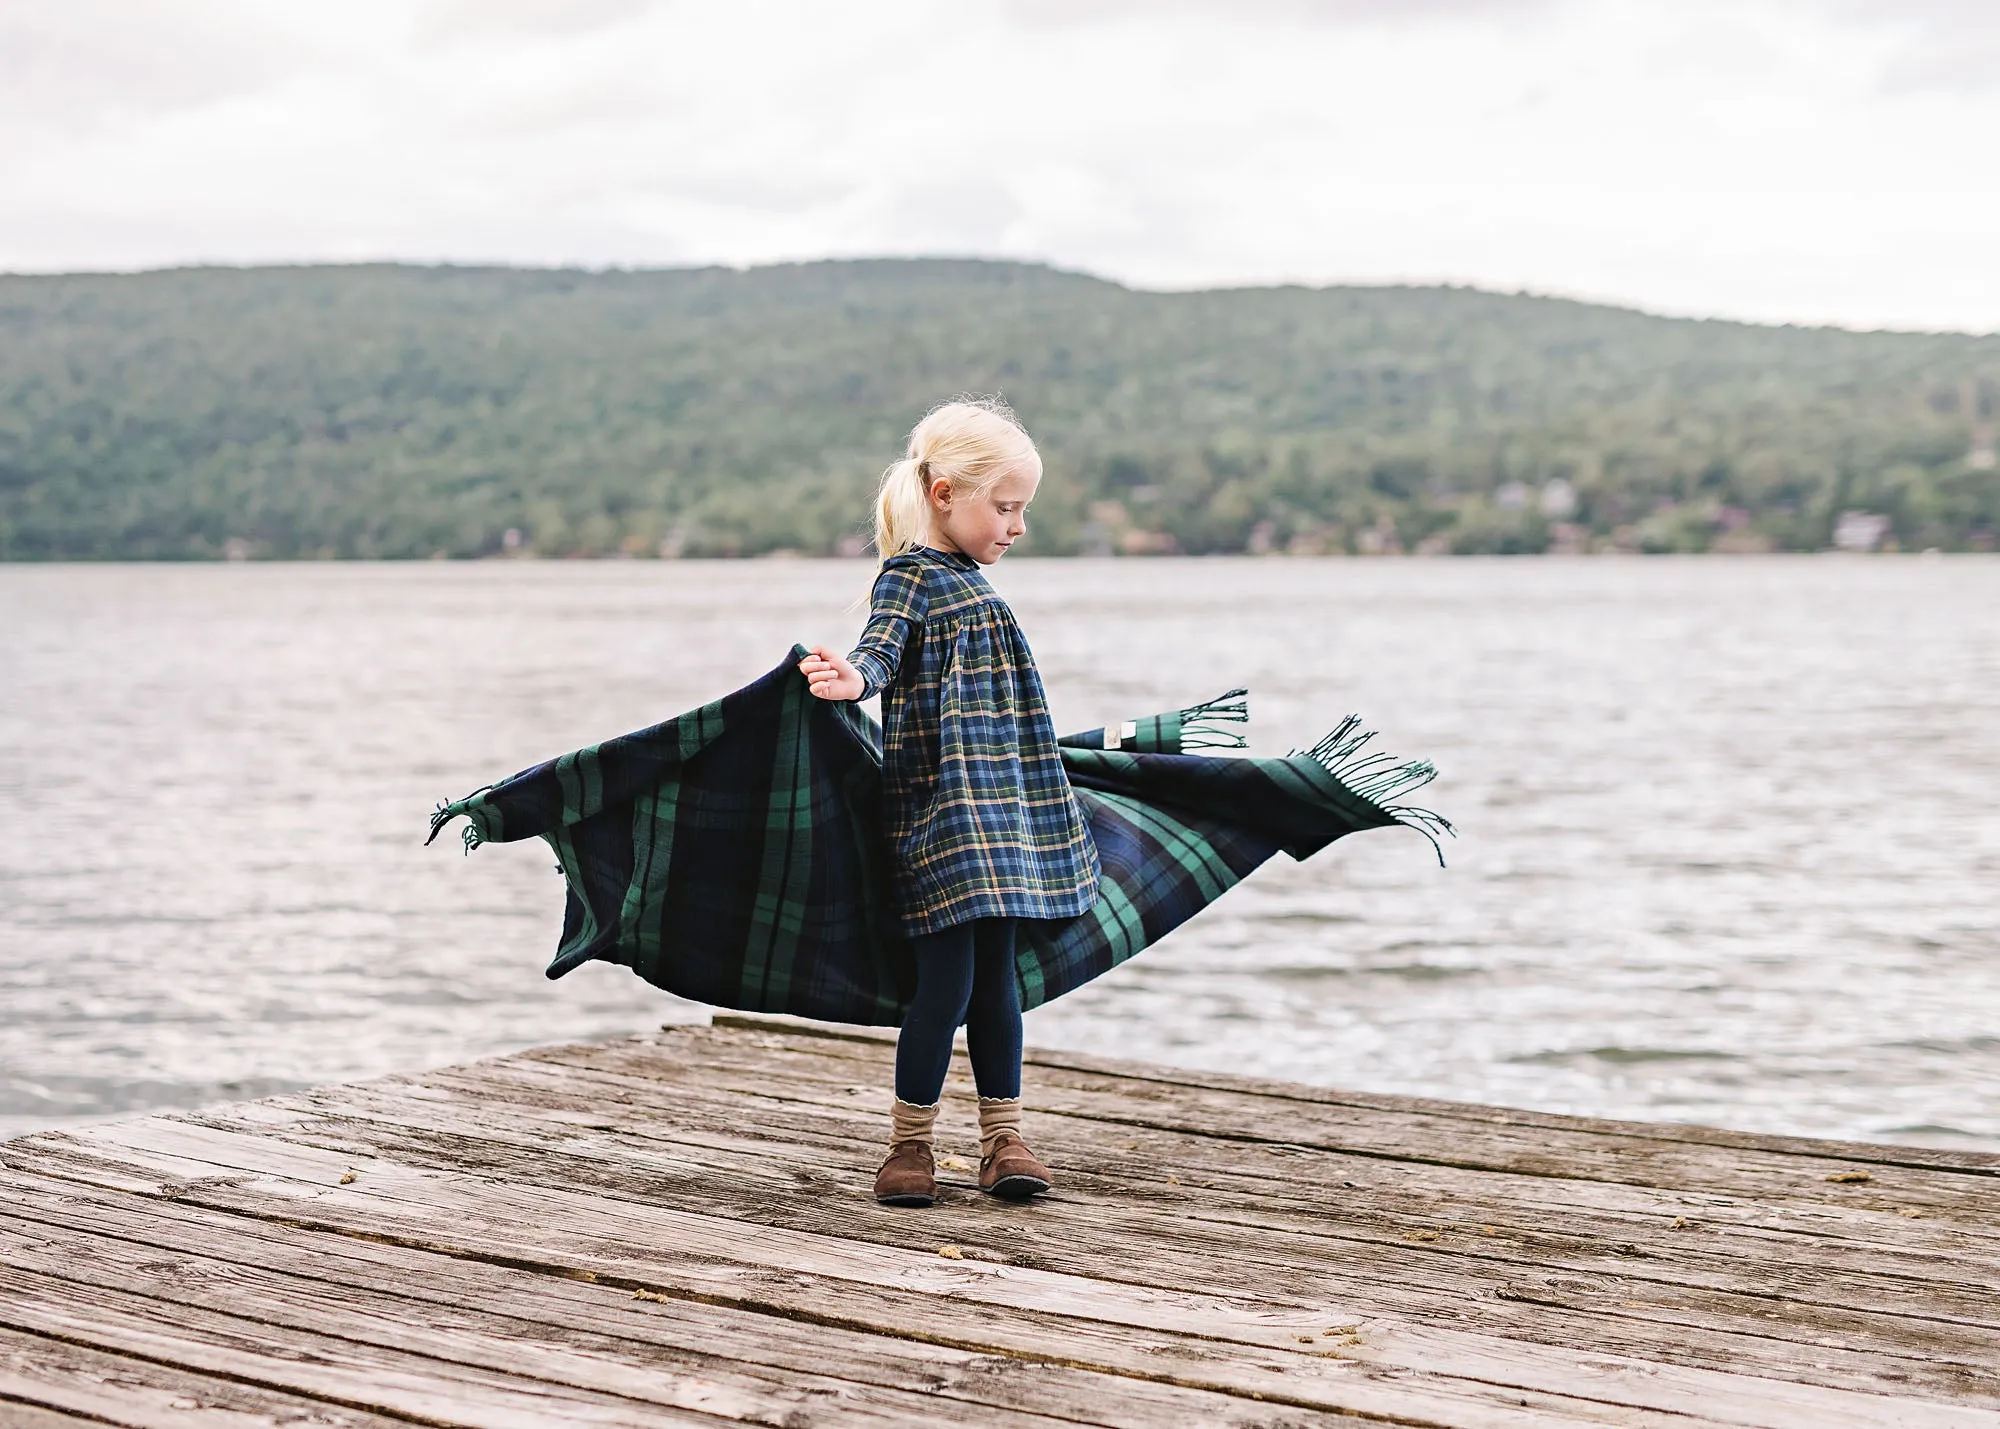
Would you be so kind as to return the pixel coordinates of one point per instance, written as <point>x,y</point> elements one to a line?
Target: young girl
<point>983,828</point>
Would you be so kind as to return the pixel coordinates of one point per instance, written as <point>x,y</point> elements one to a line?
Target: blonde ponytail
<point>902,508</point>
<point>972,442</point>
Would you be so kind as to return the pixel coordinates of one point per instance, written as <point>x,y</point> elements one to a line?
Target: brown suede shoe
<point>1012,1173</point>
<point>907,1178</point>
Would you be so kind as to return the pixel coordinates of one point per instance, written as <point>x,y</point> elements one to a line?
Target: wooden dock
<point>677,1229</point>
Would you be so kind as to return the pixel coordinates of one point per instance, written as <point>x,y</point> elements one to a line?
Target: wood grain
<point>1259,1239</point>
<point>94,1386</point>
<point>1331,1374</point>
<point>677,1228</point>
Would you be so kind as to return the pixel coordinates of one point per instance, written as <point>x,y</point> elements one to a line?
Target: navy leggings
<point>965,975</point>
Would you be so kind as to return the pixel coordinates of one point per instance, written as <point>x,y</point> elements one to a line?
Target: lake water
<point>1729,853</point>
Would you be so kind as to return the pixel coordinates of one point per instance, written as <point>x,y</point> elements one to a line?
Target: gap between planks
<point>710,1140</point>
<point>432,1215</point>
<point>1973,1163</point>
<point>1074,1393</point>
<point>105,1159</point>
<point>1273,1272</point>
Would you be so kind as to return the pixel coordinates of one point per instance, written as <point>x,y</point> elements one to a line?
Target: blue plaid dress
<point>979,814</point>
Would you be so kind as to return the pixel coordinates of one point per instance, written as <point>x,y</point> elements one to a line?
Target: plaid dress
<point>979,815</point>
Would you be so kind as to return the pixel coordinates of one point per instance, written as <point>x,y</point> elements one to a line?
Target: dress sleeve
<point>898,605</point>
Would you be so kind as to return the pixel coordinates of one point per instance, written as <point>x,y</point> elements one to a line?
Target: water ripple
<point>1731,832</point>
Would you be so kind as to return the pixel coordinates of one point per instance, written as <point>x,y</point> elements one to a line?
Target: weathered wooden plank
<point>1982,1162</point>
<point>1031,1339</point>
<point>441,1208</point>
<point>1145,1251</point>
<point>1137,1168</point>
<point>298,1361</point>
<point>719,1359</point>
<point>1148,1085</point>
<point>809,1152</point>
<point>1272,1258</point>
<point>38,1374</point>
<point>1548,1152</point>
<point>1797,1188</point>
<point>15,1414</point>
<point>1140,1161</point>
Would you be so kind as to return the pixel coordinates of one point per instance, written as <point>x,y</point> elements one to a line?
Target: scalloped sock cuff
<point>997,1115</point>
<point>910,1122</point>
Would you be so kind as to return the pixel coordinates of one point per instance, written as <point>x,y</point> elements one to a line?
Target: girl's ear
<point>940,492</point>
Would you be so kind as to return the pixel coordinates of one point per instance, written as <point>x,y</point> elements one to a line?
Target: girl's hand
<point>829,676</point>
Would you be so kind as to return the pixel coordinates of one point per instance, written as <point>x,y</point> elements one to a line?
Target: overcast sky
<point>1786,160</point>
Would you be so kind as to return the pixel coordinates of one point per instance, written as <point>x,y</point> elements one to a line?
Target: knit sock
<point>997,1115</point>
<point>909,1122</point>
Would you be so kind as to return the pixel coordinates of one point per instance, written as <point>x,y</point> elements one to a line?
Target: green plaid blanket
<point>735,855</point>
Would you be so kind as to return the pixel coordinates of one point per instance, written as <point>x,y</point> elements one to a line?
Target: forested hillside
<point>406,411</point>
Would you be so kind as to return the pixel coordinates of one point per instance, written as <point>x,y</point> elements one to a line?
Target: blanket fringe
<point>446,812</point>
<point>1379,778</point>
<point>1203,725</point>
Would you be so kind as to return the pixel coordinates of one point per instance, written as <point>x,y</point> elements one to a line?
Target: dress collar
<point>950,558</point>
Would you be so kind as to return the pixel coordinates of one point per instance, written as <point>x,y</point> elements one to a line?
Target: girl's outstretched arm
<point>898,604</point>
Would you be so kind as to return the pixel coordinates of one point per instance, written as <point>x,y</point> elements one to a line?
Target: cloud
<point>1300,12</point>
<point>972,214</point>
<point>454,19</point>
<point>1744,157</point>
<point>86,63</point>
<point>1927,45</point>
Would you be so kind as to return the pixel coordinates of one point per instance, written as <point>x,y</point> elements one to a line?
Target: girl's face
<point>985,525</point>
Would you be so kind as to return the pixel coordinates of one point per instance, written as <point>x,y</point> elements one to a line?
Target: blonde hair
<point>972,442</point>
